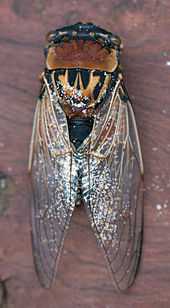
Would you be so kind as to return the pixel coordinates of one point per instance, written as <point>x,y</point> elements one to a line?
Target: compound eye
<point>50,36</point>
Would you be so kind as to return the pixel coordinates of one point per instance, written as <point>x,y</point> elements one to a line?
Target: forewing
<point>54,183</point>
<point>115,191</point>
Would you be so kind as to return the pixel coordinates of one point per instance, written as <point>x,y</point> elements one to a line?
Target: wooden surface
<point>83,280</point>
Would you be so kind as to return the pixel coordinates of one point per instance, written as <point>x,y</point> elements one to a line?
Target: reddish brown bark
<point>82,278</point>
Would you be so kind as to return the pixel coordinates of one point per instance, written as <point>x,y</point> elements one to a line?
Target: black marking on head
<point>85,31</point>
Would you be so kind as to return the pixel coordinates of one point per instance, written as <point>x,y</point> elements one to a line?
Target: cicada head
<point>83,46</point>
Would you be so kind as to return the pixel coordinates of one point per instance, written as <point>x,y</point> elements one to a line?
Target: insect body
<point>85,145</point>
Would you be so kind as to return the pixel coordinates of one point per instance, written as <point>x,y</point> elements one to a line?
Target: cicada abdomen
<point>85,146</point>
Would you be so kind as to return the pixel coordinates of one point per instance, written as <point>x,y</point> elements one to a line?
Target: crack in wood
<point>3,294</point>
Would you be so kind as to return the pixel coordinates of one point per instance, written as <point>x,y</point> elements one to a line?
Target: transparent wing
<point>114,201</point>
<point>54,182</point>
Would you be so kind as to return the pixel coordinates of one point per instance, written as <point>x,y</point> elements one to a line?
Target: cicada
<point>85,148</point>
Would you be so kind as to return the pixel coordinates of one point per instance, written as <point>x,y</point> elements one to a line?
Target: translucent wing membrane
<point>114,196</point>
<point>111,168</point>
<point>54,182</point>
<point>111,177</point>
